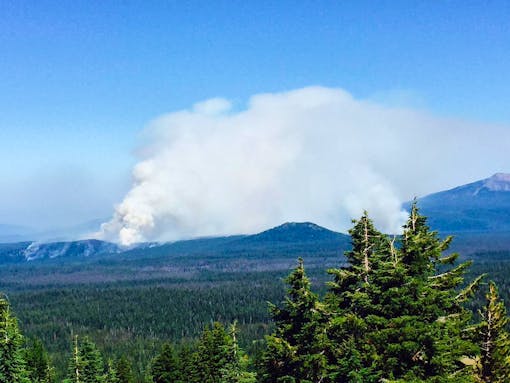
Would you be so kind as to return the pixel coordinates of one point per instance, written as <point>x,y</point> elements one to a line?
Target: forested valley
<point>392,310</point>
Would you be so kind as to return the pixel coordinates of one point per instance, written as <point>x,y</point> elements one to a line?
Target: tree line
<point>398,311</point>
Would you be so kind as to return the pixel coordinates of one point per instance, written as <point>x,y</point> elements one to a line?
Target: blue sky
<point>80,80</point>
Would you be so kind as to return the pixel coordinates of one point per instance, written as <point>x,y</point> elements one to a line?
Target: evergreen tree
<point>295,352</point>
<point>75,370</point>
<point>432,317</point>
<point>236,371</point>
<point>165,367</point>
<point>350,287</point>
<point>86,363</point>
<point>495,340</point>
<point>124,370</point>
<point>187,364</point>
<point>395,310</point>
<point>38,366</point>
<point>93,368</point>
<point>354,303</point>
<point>12,363</point>
<point>111,375</point>
<point>213,354</point>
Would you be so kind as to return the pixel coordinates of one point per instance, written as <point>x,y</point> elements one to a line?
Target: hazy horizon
<point>98,99</point>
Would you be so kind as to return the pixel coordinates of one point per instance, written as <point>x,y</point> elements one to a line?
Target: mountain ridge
<point>288,237</point>
<point>477,209</point>
<point>480,206</point>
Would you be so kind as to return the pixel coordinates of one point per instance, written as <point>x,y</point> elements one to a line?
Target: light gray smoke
<point>312,154</point>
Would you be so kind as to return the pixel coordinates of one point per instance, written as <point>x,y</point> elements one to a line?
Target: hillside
<point>31,251</point>
<point>478,214</point>
<point>481,206</point>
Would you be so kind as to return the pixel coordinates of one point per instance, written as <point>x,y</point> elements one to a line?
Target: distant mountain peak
<point>498,182</point>
<point>481,206</point>
<point>297,231</point>
<point>294,225</point>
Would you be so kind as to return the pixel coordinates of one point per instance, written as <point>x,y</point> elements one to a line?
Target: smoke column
<point>312,154</point>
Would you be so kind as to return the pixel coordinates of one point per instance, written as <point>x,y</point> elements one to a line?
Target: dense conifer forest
<point>394,310</point>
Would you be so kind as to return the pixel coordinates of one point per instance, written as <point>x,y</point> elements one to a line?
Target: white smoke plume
<point>312,154</point>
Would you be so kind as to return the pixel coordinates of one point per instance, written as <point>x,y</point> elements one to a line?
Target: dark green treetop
<point>38,363</point>
<point>86,363</point>
<point>124,370</point>
<point>12,363</point>
<point>295,352</point>
<point>165,367</point>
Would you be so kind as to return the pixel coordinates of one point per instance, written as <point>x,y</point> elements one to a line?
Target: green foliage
<point>214,352</point>
<point>136,319</point>
<point>360,299</point>
<point>428,339</point>
<point>216,358</point>
<point>236,369</point>
<point>294,350</point>
<point>111,375</point>
<point>165,367</point>
<point>494,362</point>
<point>395,312</point>
<point>85,363</point>
<point>187,363</point>
<point>124,370</point>
<point>38,364</point>
<point>12,364</point>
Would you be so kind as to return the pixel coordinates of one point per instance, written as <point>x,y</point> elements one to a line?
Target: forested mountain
<point>290,238</point>
<point>482,206</point>
<point>477,213</point>
<point>31,251</point>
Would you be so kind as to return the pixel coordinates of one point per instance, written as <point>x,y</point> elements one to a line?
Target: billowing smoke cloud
<point>313,154</point>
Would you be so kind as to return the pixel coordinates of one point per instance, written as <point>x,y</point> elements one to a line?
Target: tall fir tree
<point>85,364</point>
<point>396,310</point>
<point>111,375</point>
<point>124,370</point>
<point>236,371</point>
<point>494,366</point>
<point>353,303</point>
<point>165,367</point>
<point>296,351</point>
<point>12,363</point>
<point>187,364</point>
<point>38,363</point>
<point>433,319</point>
<point>213,354</point>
